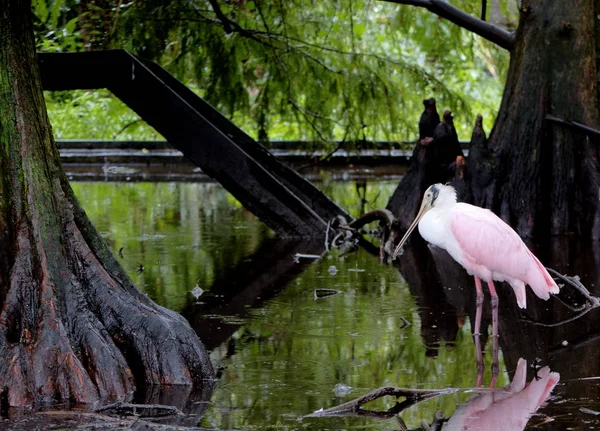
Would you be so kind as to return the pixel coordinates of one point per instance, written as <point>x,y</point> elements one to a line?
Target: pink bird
<point>507,409</point>
<point>487,248</point>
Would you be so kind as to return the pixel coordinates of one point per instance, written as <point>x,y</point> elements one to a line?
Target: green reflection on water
<point>182,233</point>
<point>286,357</point>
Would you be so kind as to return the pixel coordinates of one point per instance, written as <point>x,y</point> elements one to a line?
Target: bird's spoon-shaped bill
<point>425,206</point>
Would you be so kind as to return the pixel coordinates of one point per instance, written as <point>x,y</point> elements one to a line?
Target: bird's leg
<point>495,301</point>
<point>476,332</point>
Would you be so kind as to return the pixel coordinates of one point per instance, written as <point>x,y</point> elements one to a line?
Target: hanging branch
<point>327,156</point>
<point>411,397</point>
<point>574,125</point>
<point>224,20</point>
<point>126,126</point>
<point>495,34</point>
<point>592,303</point>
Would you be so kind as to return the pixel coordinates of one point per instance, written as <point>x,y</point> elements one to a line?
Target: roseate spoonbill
<point>506,409</point>
<point>487,248</point>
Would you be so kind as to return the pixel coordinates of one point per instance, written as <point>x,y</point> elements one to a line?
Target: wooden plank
<point>282,199</point>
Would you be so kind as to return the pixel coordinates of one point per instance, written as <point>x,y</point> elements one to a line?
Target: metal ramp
<point>276,194</point>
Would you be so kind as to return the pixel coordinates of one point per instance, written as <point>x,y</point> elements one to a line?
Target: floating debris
<point>321,293</point>
<point>121,252</point>
<point>589,411</point>
<point>341,389</point>
<point>356,270</point>
<point>118,170</point>
<point>146,237</point>
<point>140,268</point>
<point>405,323</point>
<point>299,256</point>
<point>332,270</point>
<point>197,291</point>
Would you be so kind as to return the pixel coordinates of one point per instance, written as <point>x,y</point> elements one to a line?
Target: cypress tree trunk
<point>73,327</point>
<point>547,174</point>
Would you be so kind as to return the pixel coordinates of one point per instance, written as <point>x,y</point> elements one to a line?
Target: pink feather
<point>491,250</point>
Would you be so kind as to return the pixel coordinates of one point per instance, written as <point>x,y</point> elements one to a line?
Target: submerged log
<point>73,327</point>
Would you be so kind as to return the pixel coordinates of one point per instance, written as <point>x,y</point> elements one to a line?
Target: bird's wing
<point>485,240</point>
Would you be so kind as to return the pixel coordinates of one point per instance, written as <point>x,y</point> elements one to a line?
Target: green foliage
<point>307,70</point>
<point>95,115</point>
<point>57,25</point>
<point>177,231</point>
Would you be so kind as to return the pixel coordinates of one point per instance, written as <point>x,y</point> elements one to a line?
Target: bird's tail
<point>540,280</point>
<point>540,388</point>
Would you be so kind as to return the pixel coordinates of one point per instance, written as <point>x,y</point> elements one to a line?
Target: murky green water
<point>282,354</point>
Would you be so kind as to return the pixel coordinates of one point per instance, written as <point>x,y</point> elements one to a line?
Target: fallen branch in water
<point>101,420</point>
<point>411,397</point>
<point>142,410</point>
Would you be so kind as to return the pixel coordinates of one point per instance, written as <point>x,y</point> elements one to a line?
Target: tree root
<point>348,233</point>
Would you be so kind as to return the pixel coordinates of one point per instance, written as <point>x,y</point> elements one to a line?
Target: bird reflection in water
<point>507,409</point>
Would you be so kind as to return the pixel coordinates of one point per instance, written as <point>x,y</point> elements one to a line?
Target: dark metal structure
<point>279,196</point>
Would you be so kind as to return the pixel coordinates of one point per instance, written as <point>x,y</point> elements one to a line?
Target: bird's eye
<point>428,195</point>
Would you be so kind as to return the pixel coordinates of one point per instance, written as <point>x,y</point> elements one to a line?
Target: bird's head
<point>437,195</point>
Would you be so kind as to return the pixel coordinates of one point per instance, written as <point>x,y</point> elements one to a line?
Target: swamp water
<point>282,352</point>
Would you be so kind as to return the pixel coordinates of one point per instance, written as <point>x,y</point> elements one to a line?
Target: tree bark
<point>548,175</point>
<point>73,327</point>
